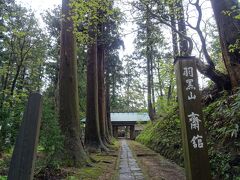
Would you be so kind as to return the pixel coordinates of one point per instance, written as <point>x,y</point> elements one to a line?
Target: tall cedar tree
<point>107,98</point>
<point>74,154</point>
<point>149,56</point>
<point>93,139</point>
<point>229,32</point>
<point>174,45</point>
<point>101,94</point>
<point>101,81</point>
<point>183,44</point>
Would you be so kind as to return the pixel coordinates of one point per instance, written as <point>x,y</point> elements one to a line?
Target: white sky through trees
<point>39,6</point>
<point>128,28</point>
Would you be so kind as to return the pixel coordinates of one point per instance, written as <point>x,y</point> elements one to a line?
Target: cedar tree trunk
<point>101,94</point>
<point>108,109</point>
<point>183,44</point>
<point>74,154</point>
<point>229,32</point>
<point>93,140</point>
<point>151,108</point>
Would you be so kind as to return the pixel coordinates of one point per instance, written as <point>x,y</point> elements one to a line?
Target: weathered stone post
<point>24,154</point>
<point>192,124</point>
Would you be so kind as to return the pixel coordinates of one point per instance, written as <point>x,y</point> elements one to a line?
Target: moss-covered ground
<point>103,167</point>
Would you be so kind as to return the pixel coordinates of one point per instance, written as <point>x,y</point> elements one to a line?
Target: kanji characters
<point>190,85</point>
<point>197,142</point>
<point>192,96</point>
<point>194,120</point>
<point>188,71</point>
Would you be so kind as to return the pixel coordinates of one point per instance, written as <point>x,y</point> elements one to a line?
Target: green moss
<point>3,177</point>
<point>105,164</point>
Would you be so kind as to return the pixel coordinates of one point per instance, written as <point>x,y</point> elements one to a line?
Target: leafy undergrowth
<point>4,164</point>
<point>222,122</point>
<point>103,167</point>
<point>164,137</point>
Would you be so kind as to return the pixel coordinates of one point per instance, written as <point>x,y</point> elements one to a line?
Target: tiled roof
<point>128,117</point>
<point>133,116</point>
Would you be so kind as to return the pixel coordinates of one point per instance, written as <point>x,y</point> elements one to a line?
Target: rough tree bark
<point>221,80</point>
<point>108,108</point>
<point>183,43</point>
<point>160,83</point>
<point>74,154</point>
<point>229,32</point>
<point>151,108</point>
<point>101,94</point>
<point>175,47</point>
<point>93,139</point>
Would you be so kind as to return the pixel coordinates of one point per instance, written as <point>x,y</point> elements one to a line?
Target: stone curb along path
<point>128,167</point>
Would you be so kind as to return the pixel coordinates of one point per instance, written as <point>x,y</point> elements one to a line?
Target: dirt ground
<point>154,166</point>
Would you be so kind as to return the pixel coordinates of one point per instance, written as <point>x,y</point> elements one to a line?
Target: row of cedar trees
<point>98,125</point>
<point>229,34</point>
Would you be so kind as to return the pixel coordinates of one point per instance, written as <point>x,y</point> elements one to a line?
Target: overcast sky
<point>38,6</point>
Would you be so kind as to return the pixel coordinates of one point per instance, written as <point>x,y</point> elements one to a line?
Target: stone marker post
<point>24,154</point>
<point>192,124</point>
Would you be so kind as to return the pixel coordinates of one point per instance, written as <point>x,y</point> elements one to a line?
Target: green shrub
<point>223,136</point>
<point>51,139</point>
<point>164,136</point>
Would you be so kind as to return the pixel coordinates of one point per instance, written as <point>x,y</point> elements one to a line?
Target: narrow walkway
<point>155,166</point>
<point>128,167</point>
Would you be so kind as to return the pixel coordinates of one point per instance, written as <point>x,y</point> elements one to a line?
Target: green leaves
<point>223,135</point>
<point>86,16</point>
<point>22,52</point>
<point>222,120</point>
<point>50,135</point>
<point>164,136</point>
<point>234,47</point>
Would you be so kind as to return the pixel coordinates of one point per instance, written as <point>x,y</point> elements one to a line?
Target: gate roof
<point>128,118</point>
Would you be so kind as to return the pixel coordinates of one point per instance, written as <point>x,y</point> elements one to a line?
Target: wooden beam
<point>24,154</point>
<point>192,124</point>
<point>132,132</point>
<point>115,131</point>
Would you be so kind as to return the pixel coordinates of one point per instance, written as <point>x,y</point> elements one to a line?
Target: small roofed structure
<point>128,120</point>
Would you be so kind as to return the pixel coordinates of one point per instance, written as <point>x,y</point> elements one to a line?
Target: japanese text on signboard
<point>193,117</point>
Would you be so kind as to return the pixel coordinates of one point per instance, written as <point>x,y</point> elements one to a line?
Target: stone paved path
<point>128,167</point>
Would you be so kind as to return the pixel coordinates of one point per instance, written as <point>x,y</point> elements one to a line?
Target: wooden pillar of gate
<point>132,132</point>
<point>24,154</point>
<point>115,131</point>
<point>192,124</point>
